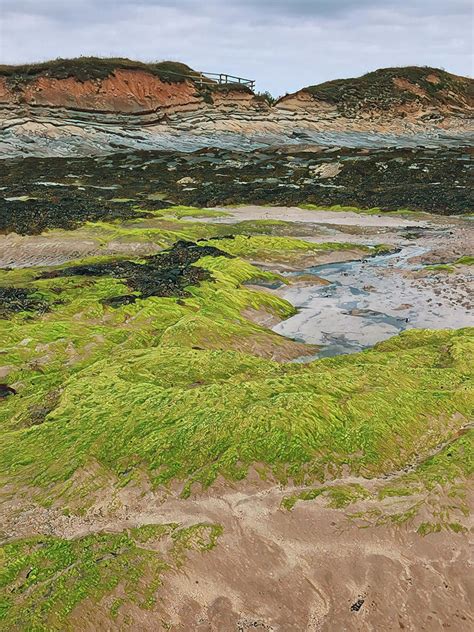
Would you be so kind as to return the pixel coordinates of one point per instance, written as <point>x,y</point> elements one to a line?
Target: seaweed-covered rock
<point>69,211</point>
<point>6,391</point>
<point>17,299</point>
<point>165,274</point>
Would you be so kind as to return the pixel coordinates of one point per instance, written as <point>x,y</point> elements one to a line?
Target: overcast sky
<point>283,44</point>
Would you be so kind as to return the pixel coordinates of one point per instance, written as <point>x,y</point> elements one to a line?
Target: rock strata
<point>101,107</point>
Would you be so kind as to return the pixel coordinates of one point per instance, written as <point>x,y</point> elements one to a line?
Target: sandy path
<point>25,251</point>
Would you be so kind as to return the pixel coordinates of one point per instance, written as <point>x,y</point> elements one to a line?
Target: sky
<point>283,44</point>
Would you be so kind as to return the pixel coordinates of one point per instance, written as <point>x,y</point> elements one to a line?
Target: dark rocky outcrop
<point>165,274</point>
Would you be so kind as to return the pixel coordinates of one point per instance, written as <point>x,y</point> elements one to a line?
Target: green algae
<point>338,496</point>
<point>80,329</point>
<point>437,484</point>
<point>342,495</point>
<point>453,463</point>
<point>163,228</point>
<point>288,502</point>
<point>345,411</point>
<point>427,528</point>
<point>249,239</point>
<point>167,274</point>
<point>44,579</point>
<point>465,260</point>
<point>270,248</point>
<point>440,267</point>
<point>172,387</point>
<point>191,211</point>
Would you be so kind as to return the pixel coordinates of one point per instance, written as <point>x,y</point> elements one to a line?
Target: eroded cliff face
<point>85,108</point>
<point>391,94</point>
<point>123,92</point>
<point>126,91</point>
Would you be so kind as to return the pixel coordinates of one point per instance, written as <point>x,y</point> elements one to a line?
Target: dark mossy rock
<point>68,212</point>
<point>6,391</point>
<point>165,274</point>
<point>124,185</point>
<point>18,299</point>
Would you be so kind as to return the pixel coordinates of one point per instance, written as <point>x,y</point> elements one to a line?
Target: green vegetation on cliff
<point>87,68</point>
<point>388,87</point>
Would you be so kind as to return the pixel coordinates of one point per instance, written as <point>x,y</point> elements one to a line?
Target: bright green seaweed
<point>44,578</point>
<point>78,403</point>
<point>181,390</point>
<point>298,420</point>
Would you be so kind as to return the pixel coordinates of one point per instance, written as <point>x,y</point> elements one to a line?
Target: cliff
<point>117,86</point>
<point>389,93</point>
<point>90,106</point>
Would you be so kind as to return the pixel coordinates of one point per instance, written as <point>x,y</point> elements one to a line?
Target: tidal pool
<point>369,301</point>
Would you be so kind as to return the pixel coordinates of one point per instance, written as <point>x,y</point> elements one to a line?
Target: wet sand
<point>296,214</point>
<point>371,300</point>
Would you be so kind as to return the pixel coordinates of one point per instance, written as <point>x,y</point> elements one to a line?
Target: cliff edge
<point>411,93</point>
<point>90,106</point>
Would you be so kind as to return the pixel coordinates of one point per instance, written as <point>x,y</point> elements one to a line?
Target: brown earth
<point>389,92</point>
<point>310,569</point>
<point>123,92</point>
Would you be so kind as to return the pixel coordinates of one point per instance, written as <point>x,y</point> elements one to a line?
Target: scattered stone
<point>357,605</point>
<point>6,391</point>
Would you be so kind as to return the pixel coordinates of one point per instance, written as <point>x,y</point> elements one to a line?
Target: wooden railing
<point>224,78</point>
<point>211,78</point>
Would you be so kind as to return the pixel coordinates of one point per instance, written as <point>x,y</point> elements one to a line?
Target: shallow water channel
<point>368,301</point>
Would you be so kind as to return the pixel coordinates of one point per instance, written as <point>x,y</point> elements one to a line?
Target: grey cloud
<point>284,44</point>
<point>266,9</point>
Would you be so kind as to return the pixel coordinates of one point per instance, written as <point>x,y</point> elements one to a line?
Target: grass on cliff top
<point>379,86</point>
<point>188,415</point>
<point>91,68</point>
<point>87,68</point>
<point>44,579</point>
